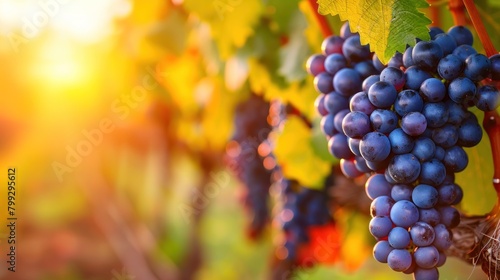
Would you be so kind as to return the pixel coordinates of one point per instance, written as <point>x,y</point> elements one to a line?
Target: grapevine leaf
<point>296,156</point>
<point>282,13</point>
<point>387,25</point>
<point>231,22</point>
<point>170,33</point>
<point>295,51</point>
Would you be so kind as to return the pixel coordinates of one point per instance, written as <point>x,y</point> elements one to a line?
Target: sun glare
<point>62,33</point>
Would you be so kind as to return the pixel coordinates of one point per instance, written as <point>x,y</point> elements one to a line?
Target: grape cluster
<point>252,129</point>
<point>406,124</point>
<point>302,209</point>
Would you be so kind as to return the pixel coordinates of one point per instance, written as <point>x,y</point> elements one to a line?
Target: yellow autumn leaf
<point>296,156</point>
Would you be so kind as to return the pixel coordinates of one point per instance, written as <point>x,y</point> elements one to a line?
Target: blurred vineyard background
<point>116,114</point>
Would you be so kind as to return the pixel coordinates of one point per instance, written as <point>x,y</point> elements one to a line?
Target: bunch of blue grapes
<point>251,129</point>
<point>407,125</point>
<point>302,208</point>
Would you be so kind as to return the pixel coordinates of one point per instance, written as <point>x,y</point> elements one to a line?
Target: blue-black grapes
<point>252,129</point>
<point>405,124</point>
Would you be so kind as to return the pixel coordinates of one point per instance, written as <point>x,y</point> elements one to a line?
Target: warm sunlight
<point>59,63</point>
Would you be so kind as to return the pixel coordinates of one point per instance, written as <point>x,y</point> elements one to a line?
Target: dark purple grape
<point>461,34</point>
<point>396,60</point>
<point>495,67</point>
<point>377,186</point>
<point>316,64</point>
<point>446,42</point>
<point>338,147</point>
<point>415,76</point>
<point>407,58</point>
<point>399,260</point>
<point>334,62</point>
<point>404,213</point>
<point>345,31</point>
<point>430,216</point>
<point>394,76</point>
<point>427,55</point>
<point>450,67</point>
<point>399,238</point>
<point>462,90</point>
<point>382,94</point>
<point>434,31</point>
<point>404,168</point>
<point>375,146</point>
<point>455,159</point>
<point>477,67</point>
<point>445,136</point>
<point>361,103</point>
<point>380,226</point>
<point>319,103</point>
<point>487,98</point>
<point>327,126</point>
<point>422,234</point>
<point>365,69</point>
<point>332,44</point>
<point>432,172</point>
<point>401,143</point>
<point>414,123</point>
<point>381,206</point>
<point>381,251</point>
<point>443,237</point>
<point>323,83</point>
<point>401,192</point>
<point>433,90</point>
<point>449,216</point>
<point>347,82</point>
<point>356,124</point>
<point>408,101</point>
<point>424,196</point>
<point>354,51</point>
<point>335,102</point>
<point>464,51</point>
<point>424,148</point>
<point>383,121</point>
<point>436,114</point>
<point>369,81</point>
<point>426,257</point>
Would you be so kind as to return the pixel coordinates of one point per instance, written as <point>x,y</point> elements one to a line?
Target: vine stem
<point>457,12</point>
<point>491,124</point>
<point>434,13</point>
<point>479,26</point>
<point>321,20</point>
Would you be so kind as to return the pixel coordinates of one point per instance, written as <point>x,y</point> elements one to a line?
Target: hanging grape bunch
<point>406,125</point>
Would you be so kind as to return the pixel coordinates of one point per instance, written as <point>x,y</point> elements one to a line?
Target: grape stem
<point>479,26</point>
<point>320,19</point>
<point>491,124</point>
<point>457,12</point>
<point>434,13</point>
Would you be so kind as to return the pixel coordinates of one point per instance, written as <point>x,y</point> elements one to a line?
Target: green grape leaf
<point>295,52</point>
<point>282,13</point>
<point>387,25</point>
<point>295,154</point>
